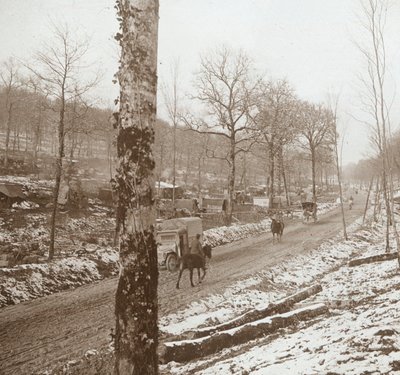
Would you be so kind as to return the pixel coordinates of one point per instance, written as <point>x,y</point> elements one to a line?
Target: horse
<point>309,210</point>
<point>277,228</point>
<point>191,261</point>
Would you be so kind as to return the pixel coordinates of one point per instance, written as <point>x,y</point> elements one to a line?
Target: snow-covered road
<point>39,334</point>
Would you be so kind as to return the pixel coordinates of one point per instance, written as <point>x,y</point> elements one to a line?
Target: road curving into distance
<point>38,334</point>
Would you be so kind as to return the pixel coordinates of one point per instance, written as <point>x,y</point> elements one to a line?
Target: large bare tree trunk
<point>231,182</point>
<point>338,171</point>
<point>377,204</point>
<point>285,185</point>
<point>367,201</point>
<point>136,307</point>
<point>8,131</point>
<point>271,192</point>
<point>314,191</point>
<point>59,159</point>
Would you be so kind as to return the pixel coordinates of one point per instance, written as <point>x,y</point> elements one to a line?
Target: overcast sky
<point>308,42</point>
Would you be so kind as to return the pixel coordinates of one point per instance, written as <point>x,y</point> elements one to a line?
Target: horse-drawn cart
<point>174,237</point>
<point>280,208</point>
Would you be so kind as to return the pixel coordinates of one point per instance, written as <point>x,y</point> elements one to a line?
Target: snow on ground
<point>27,281</point>
<point>239,298</point>
<point>222,235</point>
<point>91,262</point>
<point>361,335</point>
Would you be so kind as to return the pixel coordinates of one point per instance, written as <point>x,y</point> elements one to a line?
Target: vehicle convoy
<point>174,237</point>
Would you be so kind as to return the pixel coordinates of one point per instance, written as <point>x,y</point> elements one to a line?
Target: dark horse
<point>309,210</point>
<point>191,261</point>
<point>277,228</point>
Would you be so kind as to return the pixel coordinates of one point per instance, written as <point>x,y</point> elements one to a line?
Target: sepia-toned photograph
<point>199,187</point>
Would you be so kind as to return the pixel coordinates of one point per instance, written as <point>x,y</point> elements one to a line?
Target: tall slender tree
<point>335,142</point>
<point>11,82</point>
<point>171,97</point>
<point>136,306</point>
<point>374,17</point>
<point>58,66</point>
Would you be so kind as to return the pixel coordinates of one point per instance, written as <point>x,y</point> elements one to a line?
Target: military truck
<point>174,237</point>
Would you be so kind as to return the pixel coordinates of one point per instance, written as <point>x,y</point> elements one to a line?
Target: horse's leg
<point>198,274</point>
<point>179,278</point>
<point>204,272</point>
<point>191,277</point>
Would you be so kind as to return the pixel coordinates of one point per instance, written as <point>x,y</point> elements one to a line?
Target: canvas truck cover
<point>193,225</point>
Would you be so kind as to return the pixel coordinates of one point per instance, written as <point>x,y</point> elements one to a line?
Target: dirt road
<point>38,334</point>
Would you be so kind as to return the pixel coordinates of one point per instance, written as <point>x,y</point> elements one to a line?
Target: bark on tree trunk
<point>231,183</point>
<point>199,177</point>
<point>136,307</point>
<point>8,131</point>
<point>377,200</point>
<point>393,218</point>
<point>271,176</point>
<point>339,177</point>
<point>58,175</point>
<point>367,201</point>
<point>285,185</point>
<point>373,259</point>
<point>388,210</point>
<point>314,191</point>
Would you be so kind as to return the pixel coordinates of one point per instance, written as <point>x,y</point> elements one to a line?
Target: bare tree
<point>276,123</point>
<point>171,98</point>
<point>58,67</point>
<point>335,142</point>
<point>317,125</point>
<point>11,82</point>
<point>226,88</point>
<point>374,15</point>
<point>136,306</point>
<point>38,105</point>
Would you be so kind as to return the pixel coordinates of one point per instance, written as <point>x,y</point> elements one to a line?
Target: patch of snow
<point>363,337</point>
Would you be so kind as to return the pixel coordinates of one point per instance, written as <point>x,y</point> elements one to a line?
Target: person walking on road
<point>196,247</point>
<point>351,202</point>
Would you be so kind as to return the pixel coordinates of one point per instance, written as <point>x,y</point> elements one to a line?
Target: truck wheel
<point>172,263</point>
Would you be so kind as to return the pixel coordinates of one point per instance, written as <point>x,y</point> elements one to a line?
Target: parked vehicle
<point>174,237</point>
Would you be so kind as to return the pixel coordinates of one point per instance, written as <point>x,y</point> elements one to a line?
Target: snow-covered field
<point>28,281</point>
<point>361,334</point>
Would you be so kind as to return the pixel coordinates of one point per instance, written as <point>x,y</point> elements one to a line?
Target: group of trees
<point>254,116</point>
<point>251,131</point>
<point>28,118</point>
<point>383,165</point>
<point>46,108</point>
